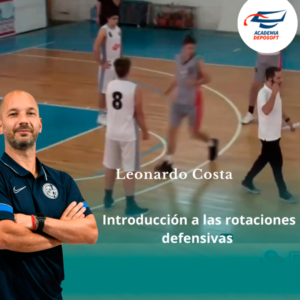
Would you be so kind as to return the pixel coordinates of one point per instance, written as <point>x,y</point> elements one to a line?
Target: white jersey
<point>120,101</point>
<point>111,48</point>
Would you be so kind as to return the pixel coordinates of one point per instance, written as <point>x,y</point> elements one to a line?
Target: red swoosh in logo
<point>254,15</point>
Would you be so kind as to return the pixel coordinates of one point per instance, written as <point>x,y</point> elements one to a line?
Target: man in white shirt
<point>270,116</point>
<point>263,62</point>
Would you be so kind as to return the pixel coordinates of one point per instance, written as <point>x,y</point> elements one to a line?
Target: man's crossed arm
<point>72,228</point>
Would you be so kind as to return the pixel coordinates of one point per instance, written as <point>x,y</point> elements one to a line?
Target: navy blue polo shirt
<point>37,275</point>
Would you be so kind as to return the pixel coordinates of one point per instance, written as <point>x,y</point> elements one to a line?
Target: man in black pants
<point>270,118</point>
<point>105,6</point>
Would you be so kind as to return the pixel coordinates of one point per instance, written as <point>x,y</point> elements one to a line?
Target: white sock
<point>169,159</point>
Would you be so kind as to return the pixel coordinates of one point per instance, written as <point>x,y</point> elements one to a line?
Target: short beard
<point>21,146</point>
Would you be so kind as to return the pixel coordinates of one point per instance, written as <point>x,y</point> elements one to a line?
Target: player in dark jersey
<point>190,75</point>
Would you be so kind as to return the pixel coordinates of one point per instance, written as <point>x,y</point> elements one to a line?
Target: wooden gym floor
<point>56,77</point>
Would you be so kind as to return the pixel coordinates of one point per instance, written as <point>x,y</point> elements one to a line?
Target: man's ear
<point>41,125</point>
<point>1,127</point>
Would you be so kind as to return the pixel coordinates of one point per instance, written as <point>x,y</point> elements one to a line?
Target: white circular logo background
<point>267,26</point>
<point>50,191</point>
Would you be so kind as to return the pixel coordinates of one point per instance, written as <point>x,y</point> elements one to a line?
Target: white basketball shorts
<point>104,77</point>
<point>122,155</point>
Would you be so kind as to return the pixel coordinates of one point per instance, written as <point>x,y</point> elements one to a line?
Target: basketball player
<point>264,61</point>
<point>124,115</point>
<point>187,103</point>
<point>109,40</point>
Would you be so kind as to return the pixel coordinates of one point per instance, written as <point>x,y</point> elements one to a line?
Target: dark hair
<point>189,39</point>
<point>112,13</point>
<point>122,66</point>
<point>270,72</point>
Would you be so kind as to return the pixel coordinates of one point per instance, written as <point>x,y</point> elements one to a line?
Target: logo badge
<point>267,26</point>
<point>19,190</point>
<point>50,191</point>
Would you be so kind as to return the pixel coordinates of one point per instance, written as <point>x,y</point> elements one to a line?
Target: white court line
<point>69,139</point>
<point>56,58</point>
<point>70,51</point>
<point>228,101</point>
<point>164,59</point>
<point>142,166</point>
<point>27,48</point>
<point>237,50</point>
<point>65,106</point>
<point>32,33</point>
<point>85,61</point>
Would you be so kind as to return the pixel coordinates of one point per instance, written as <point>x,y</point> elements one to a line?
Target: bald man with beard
<point>40,209</point>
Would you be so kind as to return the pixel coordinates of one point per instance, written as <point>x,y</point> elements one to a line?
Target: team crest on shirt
<point>50,191</point>
<point>110,34</point>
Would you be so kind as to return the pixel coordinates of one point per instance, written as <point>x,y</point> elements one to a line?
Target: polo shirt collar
<point>13,165</point>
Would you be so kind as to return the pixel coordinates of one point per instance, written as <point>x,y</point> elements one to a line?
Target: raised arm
<point>17,238</point>
<point>268,107</point>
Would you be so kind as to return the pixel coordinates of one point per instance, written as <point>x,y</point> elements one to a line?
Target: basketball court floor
<point>57,67</point>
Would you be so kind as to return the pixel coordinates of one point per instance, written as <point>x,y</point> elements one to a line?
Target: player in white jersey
<point>124,116</point>
<point>107,48</point>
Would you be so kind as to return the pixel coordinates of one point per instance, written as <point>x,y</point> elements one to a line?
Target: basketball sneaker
<point>213,149</point>
<point>249,118</point>
<point>108,203</point>
<point>287,197</point>
<point>133,210</point>
<point>249,186</point>
<point>164,167</point>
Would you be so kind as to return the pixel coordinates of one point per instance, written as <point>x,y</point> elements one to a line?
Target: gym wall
<point>17,16</point>
<point>218,15</point>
